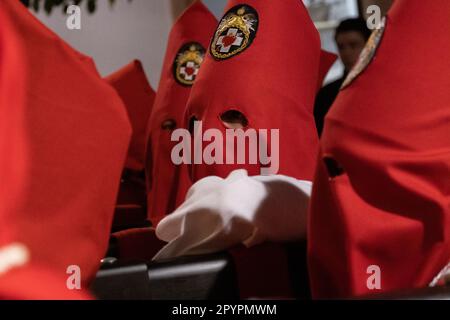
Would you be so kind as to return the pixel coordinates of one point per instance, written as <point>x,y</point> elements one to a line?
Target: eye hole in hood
<point>169,125</point>
<point>234,119</point>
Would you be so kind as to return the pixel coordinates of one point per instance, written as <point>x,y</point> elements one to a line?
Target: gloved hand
<point>221,213</point>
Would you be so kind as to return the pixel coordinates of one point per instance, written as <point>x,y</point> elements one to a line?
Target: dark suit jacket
<point>324,100</point>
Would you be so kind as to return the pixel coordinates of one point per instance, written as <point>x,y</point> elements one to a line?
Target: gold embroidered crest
<point>187,63</point>
<point>235,33</point>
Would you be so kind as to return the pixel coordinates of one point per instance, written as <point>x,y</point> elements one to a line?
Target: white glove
<point>221,213</point>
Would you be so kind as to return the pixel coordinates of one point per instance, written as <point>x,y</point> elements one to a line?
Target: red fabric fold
<point>137,244</point>
<point>381,196</point>
<point>138,96</point>
<point>62,151</point>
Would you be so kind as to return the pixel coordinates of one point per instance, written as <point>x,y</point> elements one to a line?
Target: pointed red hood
<point>381,195</point>
<point>62,149</point>
<point>264,67</point>
<point>188,42</point>
<point>138,96</point>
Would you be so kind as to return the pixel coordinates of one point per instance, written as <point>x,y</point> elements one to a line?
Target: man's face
<point>350,45</point>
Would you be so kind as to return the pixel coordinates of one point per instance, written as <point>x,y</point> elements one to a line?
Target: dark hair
<point>355,24</point>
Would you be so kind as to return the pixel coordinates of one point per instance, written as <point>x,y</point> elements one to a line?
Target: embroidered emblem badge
<point>235,33</point>
<point>187,63</point>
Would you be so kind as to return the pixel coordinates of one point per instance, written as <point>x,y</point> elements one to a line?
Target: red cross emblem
<point>189,71</point>
<point>232,38</point>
